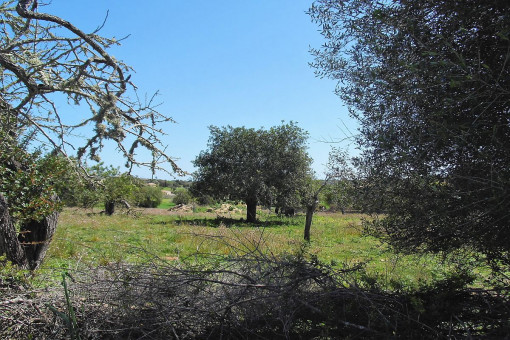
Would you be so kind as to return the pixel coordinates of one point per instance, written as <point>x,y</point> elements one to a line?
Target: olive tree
<point>429,82</point>
<point>46,62</point>
<point>148,197</point>
<point>113,187</point>
<point>338,178</point>
<point>255,166</point>
<point>182,196</point>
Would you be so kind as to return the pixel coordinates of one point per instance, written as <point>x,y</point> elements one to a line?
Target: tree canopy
<point>255,166</point>
<point>57,81</point>
<point>429,82</point>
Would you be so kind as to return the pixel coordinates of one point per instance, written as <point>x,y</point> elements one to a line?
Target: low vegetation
<point>91,238</point>
<point>209,274</point>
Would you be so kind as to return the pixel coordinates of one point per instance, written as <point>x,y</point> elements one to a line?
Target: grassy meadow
<point>86,237</point>
<point>157,271</point>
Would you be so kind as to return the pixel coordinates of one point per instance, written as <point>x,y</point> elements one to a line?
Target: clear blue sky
<point>224,62</point>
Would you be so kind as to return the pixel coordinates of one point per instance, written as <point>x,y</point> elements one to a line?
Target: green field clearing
<point>86,237</point>
<point>166,203</point>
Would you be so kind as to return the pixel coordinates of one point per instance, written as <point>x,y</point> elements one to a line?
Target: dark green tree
<point>114,187</point>
<point>255,166</point>
<point>429,82</point>
<point>45,60</point>
<point>148,196</point>
<point>182,196</point>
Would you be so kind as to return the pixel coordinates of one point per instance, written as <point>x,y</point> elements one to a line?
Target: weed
<point>68,318</point>
<point>11,275</point>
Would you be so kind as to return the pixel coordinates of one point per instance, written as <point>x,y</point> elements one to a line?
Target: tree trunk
<point>251,210</point>
<point>35,238</point>
<point>311,205</point>
<point>27,249</point>
<point>9,244</point>
<point>310,209</point>
<point>109,208</point>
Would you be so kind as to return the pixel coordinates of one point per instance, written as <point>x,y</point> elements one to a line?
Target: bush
<point>182,196</point>
<point>149,197</point>
<point>205,200</point>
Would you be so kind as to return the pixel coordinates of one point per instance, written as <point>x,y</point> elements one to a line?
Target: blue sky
<point>225,62</point>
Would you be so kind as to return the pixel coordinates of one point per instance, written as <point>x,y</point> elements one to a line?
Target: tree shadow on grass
<point>227,221</point>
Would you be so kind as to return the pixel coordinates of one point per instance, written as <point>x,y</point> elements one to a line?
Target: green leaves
<point>28,182</point>
<point>429,86</point>
<point>243,163</point>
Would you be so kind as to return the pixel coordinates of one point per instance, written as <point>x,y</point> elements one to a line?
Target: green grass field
<point>88,238</point>
<point>166,203</point>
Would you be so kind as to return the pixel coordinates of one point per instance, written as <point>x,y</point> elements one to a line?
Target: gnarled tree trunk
<point>311,205</point>
<point>27,249</point>
<point>9,244</point>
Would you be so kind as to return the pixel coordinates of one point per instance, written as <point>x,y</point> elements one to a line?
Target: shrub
<point>206,200</point>
<point>182,196</point>
<point>11,276</point>
<point>149,197</point>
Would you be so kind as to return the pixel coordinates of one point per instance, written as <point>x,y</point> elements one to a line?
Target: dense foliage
<point>108,186</point>
<point>429,82</point>
<point>114,187</point>
<point>182,196</point>
<point>29,206</point>
<point>255,166</point>
<point>29,201</point>
<point>148,196</point>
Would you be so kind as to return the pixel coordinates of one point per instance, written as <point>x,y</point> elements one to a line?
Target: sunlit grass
<point>166,203</point>
<point>93,239</point>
